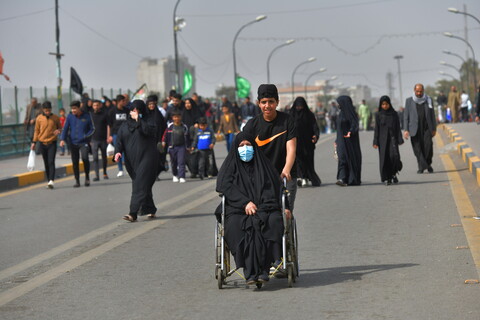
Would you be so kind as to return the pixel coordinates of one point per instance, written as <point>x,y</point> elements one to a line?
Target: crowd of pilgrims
<point>144,132</point>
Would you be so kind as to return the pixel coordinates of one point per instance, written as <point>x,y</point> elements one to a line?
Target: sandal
<point>129,218</point>
<point>151,216</point>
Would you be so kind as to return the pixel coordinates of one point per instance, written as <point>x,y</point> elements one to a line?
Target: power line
<point>284,11</point>
<point>347,52</point>
<point>101,35</point>
<point>25,14</point>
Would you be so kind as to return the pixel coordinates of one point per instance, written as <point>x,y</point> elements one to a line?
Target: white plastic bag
<point>110,149</point>
<point>31,161</point>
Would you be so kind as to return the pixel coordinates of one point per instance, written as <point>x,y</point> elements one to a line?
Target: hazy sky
<point>104,40</point>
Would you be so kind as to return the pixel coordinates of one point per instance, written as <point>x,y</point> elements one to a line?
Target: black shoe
<point>96,179</point>
<point>263,278</point>
<point>395,179</point>
<point>251,281</point>
<point>76,185</point>
<point>341,183</point>
<point>105,176</point>
<point>430,169</point>
<point>193,176</point>
<point>388,182</point>
<point>201,177</point>
<point>420,171</point>
<point>299,182</point>
<point>87,183</point>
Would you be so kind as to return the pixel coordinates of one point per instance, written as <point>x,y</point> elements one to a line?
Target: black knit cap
<point>267,91</point>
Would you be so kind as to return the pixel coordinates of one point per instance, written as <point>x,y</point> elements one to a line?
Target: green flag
<point>187,82</point>
<point>243,87</point>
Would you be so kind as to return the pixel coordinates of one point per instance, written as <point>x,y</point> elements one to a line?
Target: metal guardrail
<point>13,140</point>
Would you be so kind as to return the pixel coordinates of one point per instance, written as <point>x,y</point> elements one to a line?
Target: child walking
<point>204,141</point>
<point>177,139</point>
<point>387,138</point>
<point>228,126</point>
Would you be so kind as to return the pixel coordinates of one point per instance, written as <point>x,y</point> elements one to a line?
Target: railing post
<point>1,111</point>
<point>17,116</point>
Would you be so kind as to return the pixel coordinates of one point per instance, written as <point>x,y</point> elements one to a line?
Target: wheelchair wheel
<point>291,276</point>
<point>295,256</point>
<point>219,278</point>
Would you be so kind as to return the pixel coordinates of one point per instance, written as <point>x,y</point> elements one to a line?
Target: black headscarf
<point>190,117</point>
<point>256,180</point>
<point>347,112</point>
<point>386,116</point>
<point>303,118</point>
<point>142,114</point>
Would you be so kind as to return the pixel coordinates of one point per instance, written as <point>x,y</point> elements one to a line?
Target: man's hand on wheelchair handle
<point>250,208</point>
<point>288,214</point>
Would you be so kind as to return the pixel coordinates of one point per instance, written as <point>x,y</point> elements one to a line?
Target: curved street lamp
<point>464,63</point>
<point>311,59</point>
<point>454,10</point>
<point>286,43</point>
<point>310,76</point>
<point>178,24</point>
<point>450,35</point>
<point>257,19</point>
<point>447,74</point>
<point>443,63</point>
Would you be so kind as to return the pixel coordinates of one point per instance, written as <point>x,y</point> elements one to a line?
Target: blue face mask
<point>245,153</point>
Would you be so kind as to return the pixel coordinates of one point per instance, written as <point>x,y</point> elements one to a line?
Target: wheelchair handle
<point>284,182</point>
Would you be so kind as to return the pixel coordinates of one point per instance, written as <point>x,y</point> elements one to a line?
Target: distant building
<point>359,93</point>
<point>159,74</point>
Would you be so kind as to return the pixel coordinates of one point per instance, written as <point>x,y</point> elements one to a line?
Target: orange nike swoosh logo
<point>261,143</point>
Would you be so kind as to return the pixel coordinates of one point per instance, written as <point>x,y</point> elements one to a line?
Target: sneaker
<point>50,184</point>
<point>182,180</point>
<point>430,169</point>
<point>120,174</point>
<point>251,281</point>
<point>87,183</point>
<point>77,184</point>
<point>304,182</point>
<point>175,179</point>
<point>96,179</point>
<point>341,183</point>
<point>395,179</point>
<point>263,278</point>
<point>299,182</point>
<point>105,176</point>
<point>210,177</point>
<point>388,182</point>
<point>419,171</point>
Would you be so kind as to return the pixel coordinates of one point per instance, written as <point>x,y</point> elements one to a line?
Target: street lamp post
<point>333,78</point>
<point>257,19</point>
<point>454,10</point>
<point>447,74</point>
<point>310,76</point>
<point>448,34</point>
<point>286,43</point>
<point>398,57</point>
<point>311,59</point>
<point>178,24</point>
<point>443,63</point>
<point>464,63</point>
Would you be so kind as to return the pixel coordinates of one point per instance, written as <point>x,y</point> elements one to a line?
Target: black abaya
<point>388,137</point>
<point>254,240</point>
<point>307,127</point>
<point>137,140</point>
<point>348,149</point>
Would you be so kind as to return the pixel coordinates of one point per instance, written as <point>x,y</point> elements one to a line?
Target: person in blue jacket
<point>79,128</point>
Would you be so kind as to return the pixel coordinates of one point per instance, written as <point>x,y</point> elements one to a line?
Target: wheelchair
<point>289,261</point>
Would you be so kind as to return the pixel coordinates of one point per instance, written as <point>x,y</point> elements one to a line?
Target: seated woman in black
<point>253,218</point>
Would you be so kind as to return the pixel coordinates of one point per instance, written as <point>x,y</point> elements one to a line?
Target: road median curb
<point>465,151</point>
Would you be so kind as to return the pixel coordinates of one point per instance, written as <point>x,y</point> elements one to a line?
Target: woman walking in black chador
<point>387,138</point>
<point>307,136</point>
<point>348,144</point>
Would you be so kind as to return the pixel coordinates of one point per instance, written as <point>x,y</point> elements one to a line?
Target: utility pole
<point>58,56</point>
<point>399,77</point>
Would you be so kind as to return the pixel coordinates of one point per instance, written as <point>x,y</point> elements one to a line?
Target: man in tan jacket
<point>47,128</point>
<point>453,103</point>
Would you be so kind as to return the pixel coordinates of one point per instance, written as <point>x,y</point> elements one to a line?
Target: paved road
<point>367,252</point>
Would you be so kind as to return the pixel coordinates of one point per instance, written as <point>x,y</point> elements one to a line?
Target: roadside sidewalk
<point>14,173</point>
<point>467,138</point>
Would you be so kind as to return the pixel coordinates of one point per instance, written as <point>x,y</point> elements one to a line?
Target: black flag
<point>75,82</point>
